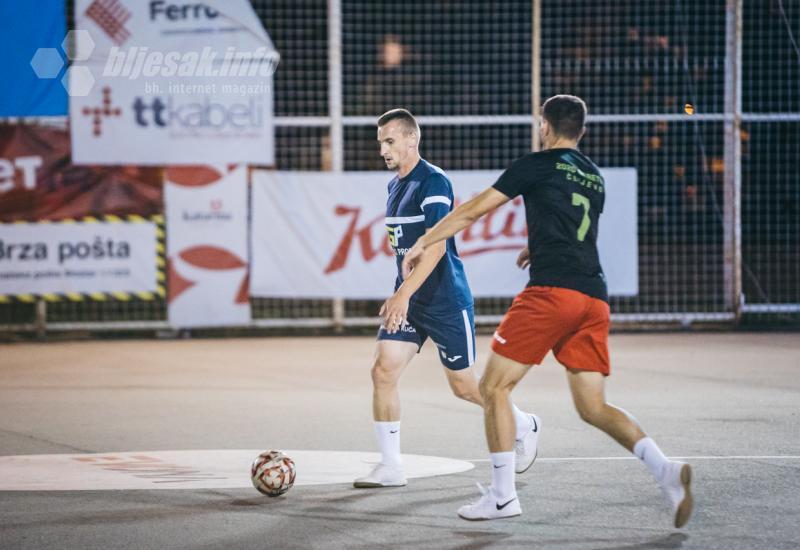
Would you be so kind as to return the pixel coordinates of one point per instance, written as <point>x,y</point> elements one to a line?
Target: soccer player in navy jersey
<point>564,307</point>
<point>434,301</point>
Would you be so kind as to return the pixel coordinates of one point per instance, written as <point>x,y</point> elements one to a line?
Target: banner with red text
<point>207,245</point>
<point>322,235</point>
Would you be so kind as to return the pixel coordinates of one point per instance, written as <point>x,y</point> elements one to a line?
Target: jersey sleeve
<point>435,199</point>
<point>517,178</point>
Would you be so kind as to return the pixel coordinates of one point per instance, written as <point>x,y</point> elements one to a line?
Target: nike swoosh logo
<point>498,467</point>
<point>535,425</point>
<point>393,431</point>
<point>456,358</point>
<point>501,506</point>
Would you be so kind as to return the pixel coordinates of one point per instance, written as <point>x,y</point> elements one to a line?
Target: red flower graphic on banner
<point>192,176</point>
<point>243,296</point>
<point>177,284</point>
<point>211,257</point>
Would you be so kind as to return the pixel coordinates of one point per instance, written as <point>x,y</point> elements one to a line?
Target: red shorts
<point>572,324</point>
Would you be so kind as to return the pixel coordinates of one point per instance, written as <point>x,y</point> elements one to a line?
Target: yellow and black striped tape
<point>161,265</point>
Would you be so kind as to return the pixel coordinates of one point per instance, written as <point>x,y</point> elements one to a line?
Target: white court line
<point>732,457</point>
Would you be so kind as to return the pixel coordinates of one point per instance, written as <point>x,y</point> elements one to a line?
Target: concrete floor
<point>731,401</point>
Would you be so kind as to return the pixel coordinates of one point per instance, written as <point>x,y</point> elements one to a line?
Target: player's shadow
<point>480,539</point>
<point>673,540</point>
<point>353,496</point>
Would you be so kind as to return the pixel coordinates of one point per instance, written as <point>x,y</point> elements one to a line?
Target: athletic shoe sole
<point>684,510</point>
<point>375,485</point>
<point>487,519</point>
<point>528,467</point>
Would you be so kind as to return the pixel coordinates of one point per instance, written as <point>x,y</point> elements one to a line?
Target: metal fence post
<point>335,112</point>
<point>41,319</point>
<point>536,72</point>
<point>732,221</point>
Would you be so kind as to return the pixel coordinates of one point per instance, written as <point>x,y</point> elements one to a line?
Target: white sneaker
<point>526,449</point>
<point>676,487</point>
<point>488,507</point>
<point>382,475</point>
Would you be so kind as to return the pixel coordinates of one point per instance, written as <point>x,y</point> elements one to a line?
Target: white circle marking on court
<point>201,469</point>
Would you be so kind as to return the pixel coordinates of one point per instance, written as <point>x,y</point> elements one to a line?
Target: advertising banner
<point>98,259</point>
<point>207,246</point>
<point>39,182</point>
<point>322,235</point>
<point>169,83</point>
<point>34,61</point>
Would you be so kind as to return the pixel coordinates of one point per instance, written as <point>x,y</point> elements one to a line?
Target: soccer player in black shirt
<point>564,308</point>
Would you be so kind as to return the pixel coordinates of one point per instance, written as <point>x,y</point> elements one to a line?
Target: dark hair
<point>566,114</point>
<point>402,115</point>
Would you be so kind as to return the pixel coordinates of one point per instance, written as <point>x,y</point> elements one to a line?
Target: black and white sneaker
<point>526,449</point>
<point>489,507</point>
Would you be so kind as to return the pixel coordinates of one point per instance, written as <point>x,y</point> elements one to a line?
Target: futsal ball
<point>272,473</point>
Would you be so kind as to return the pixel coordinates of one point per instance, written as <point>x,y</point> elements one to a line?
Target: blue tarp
<point>28,27</point>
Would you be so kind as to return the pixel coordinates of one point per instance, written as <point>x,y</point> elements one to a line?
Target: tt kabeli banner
<point>323,235</point>
<point>98,259</point>
<point>207,246</point>
<point>39,182</point>
<point>34,59</point>
<point>171,83</point>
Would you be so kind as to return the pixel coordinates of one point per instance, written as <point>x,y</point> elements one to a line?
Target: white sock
<point>522,420</point>
<point>648,452</point>
<point>503,476</point>
<point>388,434</point>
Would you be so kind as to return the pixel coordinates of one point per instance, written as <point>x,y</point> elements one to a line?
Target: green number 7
<point>583,228</point>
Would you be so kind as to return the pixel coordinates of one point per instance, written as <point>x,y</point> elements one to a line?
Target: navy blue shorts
<point>453,333</point>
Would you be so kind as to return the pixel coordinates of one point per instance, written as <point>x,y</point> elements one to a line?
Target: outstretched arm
<point>395,309</point>
<point>466,214</point>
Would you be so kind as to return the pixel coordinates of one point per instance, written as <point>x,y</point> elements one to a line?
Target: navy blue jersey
<point>416,203</point>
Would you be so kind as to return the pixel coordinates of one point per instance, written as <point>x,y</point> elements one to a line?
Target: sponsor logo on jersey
<point>394,235</point>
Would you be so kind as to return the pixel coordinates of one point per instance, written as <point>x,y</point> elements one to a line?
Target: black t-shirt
<point>564,195</point>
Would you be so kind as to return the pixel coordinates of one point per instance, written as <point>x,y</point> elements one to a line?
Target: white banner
<point>206,210</point>
<point>322,235</point>
<point>164,83</point>
<point>78,258</point>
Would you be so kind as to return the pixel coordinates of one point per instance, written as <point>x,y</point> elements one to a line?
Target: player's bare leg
<point>588,393</point>
<point>464,384</point>
<point>499,379</point>
<point>391,359</point>
<point>674,478</point>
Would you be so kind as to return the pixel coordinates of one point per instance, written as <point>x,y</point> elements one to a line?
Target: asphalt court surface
<point>729,402</point>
